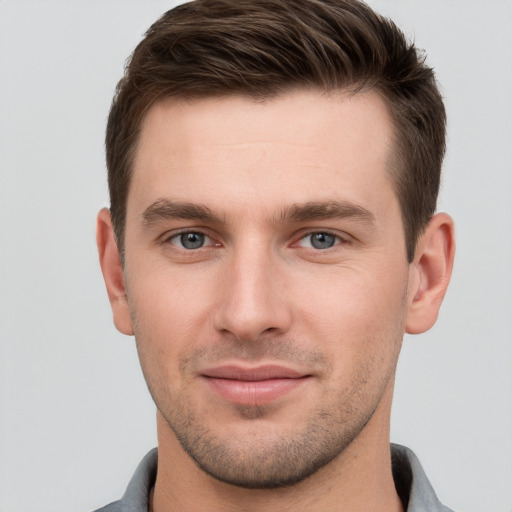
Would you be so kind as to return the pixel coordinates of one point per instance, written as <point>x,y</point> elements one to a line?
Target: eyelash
<point>339,240</point>
<point>168,239</point>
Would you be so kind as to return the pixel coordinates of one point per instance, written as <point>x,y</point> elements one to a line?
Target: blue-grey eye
<point>192,240</point>
<point>322,240</point>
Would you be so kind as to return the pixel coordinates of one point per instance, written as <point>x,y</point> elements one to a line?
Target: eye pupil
<point>322,240</point>
<point>192,240</point>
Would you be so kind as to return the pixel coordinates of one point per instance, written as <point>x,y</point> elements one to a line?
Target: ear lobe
<point>113,273</point>
<point>432,266</point>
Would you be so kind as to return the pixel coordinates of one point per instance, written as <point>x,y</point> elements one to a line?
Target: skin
<point>250,183</point>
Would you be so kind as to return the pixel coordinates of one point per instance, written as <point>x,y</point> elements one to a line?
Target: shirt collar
<point>411,484</point>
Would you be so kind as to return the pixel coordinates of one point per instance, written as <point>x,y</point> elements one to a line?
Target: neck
<point>359,479</point>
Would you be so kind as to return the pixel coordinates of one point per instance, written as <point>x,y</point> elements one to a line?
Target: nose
<point>253,300</point>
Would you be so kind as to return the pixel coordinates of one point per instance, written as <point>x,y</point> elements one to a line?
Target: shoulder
<point>136,496</point>
<point>412,483</point>
<point>116,506</point>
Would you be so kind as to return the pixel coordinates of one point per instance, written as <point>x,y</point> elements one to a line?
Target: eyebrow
<point>326,210</point>
<point>164,209</point>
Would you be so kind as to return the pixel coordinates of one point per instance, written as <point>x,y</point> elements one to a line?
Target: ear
<point>113,273</point>
<point>430,273</point>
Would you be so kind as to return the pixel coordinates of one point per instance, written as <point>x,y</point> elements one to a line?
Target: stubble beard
<point>259,460</point>
<point>262,463</point>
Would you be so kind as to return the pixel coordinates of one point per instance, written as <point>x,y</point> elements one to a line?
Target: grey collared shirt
<point>411,483</point>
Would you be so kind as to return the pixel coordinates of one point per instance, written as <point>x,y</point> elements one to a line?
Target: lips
<point>253,386</point>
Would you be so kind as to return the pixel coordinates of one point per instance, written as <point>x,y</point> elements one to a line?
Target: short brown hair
<point>263,48</point>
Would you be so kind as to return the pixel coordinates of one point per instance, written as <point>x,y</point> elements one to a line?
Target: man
<point>273,173</point>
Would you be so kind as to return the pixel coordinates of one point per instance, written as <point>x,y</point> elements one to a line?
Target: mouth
<point>254,386</point>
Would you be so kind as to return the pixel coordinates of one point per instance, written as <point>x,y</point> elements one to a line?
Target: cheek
<point>357,316</point>
<point>354,297</point>
<point>163,297</point>
<point>170,316</point>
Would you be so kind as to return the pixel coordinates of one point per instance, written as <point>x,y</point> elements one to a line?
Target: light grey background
<point>75,416</point>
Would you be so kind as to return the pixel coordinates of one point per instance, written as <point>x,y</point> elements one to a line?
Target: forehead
<point>302,146</point>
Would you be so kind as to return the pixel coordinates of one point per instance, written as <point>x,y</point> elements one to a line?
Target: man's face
<point>267,279</point>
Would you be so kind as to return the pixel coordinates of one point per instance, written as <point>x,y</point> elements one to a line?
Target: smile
<point>253,386</point>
